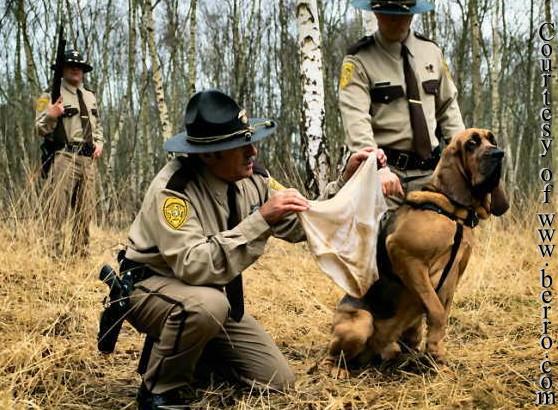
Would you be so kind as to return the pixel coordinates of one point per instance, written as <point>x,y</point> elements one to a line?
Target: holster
<point>117,304</point>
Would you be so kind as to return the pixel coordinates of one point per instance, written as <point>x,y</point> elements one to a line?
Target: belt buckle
<point>402,161</point>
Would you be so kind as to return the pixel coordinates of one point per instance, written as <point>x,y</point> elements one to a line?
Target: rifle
<point>56,140</point>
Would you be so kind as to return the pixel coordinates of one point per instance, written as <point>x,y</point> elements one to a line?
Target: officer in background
<point>396,93</point>
<point>71,179</point>
<point>204,219</point>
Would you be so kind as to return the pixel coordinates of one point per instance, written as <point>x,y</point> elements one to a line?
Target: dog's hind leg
<point>352,327</point>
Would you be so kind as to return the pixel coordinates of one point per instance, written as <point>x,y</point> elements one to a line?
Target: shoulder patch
<point>41,103</point>
<point>422,37</point>
<point>176,211</point>
<point>346,74</point>
<point>275,185</point>
<point>89,89</point>
<point>360,44</point>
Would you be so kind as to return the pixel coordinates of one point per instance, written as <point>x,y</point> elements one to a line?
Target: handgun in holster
<point>116,307</point>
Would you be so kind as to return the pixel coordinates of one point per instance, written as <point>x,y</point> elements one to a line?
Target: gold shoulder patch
<point>346,74</point>
<point>176,212</point>
<point>41,103</point>
<point>275,185</point>
<point>445,68</point>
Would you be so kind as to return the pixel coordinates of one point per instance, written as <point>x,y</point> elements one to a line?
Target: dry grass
<point>49,311</point>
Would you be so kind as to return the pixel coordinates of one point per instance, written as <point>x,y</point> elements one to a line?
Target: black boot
<point>170,400</point>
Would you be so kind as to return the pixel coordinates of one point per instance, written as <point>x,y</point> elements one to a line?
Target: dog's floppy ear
<point>450,176</point>
<point>498,201</point>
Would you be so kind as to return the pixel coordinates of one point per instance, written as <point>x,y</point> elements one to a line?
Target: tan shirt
<point>46,124</point>
<point>372,91</point>
<point>185,234</point>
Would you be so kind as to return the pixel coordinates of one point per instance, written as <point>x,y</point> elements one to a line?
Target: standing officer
<point>205,218</point>
<point>396,92</point>
<point>74,118</point>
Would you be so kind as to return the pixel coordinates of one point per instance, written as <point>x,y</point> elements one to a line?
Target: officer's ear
<point>210,158</point>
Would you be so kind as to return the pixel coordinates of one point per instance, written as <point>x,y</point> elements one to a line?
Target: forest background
<point>150,56</point>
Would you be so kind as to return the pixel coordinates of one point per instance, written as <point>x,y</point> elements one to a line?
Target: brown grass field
<point>49,313</point>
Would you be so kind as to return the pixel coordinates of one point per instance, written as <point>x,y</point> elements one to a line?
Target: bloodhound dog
<point>423,250</point>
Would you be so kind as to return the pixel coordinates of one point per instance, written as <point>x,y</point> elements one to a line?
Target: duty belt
<point>134,272</point>
<point>81,148</point>
<point>406,160</point>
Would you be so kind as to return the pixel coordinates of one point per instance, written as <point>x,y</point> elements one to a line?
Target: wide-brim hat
<point>402,7</point>
<point>74,58</point>
<point>215,122</point>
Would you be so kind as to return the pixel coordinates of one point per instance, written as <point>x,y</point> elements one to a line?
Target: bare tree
<point>313,105</point>
<point>156,69</point>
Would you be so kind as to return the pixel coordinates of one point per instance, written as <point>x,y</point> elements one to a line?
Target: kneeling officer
<point>205,218</point>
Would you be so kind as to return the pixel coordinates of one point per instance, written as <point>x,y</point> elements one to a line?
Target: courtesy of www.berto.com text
<point>546,216</point>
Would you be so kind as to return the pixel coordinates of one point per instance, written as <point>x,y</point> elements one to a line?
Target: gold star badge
<point>175,212</point>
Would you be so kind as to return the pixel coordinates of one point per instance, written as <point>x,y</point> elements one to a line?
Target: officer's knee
<point>211,312</point>
<point>283,380</point>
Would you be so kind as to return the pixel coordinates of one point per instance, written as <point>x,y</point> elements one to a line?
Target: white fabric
<point>342,231</point>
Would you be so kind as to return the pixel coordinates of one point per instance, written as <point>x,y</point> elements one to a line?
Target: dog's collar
<point>441,204</point>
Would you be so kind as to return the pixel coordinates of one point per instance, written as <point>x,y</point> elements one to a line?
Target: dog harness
<point>423,201</point>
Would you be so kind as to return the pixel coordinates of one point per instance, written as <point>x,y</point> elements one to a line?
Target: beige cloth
<point>342,231</point>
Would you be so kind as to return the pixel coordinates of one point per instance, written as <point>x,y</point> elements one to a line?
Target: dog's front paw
<point>437,351</point>
<point>391,351</point>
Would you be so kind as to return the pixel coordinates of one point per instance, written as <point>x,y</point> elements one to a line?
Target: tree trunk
<point>495,69</point>
<point>313,105</point>
<point>156,71</point>
<point>192,48</point>
<point>476,62</point>
<point>369,22</point>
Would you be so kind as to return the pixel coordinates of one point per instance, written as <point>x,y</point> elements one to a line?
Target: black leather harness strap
<point>454,249</point>
<point>471,221</point>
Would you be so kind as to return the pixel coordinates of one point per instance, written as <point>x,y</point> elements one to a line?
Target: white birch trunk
<point>313,104</point>
<point>156,68</point>
<point>369,22</point>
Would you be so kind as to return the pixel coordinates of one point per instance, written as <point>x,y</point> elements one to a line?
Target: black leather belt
<point>405,160</point>
<point>134,272</point>
<point>85,149</point>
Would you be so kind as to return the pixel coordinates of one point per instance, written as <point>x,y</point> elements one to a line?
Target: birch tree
<point>369,22</point>
<point>313,105</point>
<point>156,71</point>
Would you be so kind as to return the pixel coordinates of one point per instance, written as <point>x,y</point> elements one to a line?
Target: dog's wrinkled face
<point>482,160</point>
<point>470,171</point>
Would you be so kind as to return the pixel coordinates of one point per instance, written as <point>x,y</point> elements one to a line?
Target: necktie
<point>235,294</point>
<point>84,117</point>
<point>421,139</point>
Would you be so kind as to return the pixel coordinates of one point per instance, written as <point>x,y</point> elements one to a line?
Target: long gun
<point>57,139</point>
<point>58,66</point>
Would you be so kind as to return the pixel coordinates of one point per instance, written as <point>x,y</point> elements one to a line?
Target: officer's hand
<point>57,109</point>
<point>390,183</point>
<point>98,151</point>
<point>281,204</point>
<point>359,157</point>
